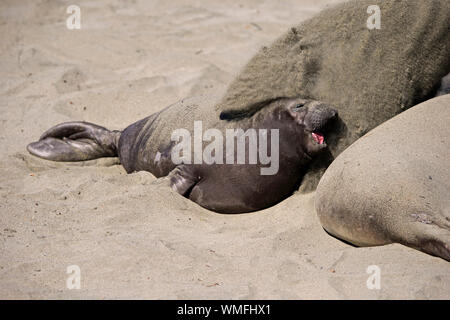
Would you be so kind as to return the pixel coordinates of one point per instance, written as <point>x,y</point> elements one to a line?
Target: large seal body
<point>393,184</point>
<point>292,129</point>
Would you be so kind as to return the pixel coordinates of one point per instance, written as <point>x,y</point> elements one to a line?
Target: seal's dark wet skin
<point>227,188</point>
<point>242,188</point>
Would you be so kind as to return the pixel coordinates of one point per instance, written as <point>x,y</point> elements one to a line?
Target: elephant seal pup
<point>291,129</point>
<point>393,184</point>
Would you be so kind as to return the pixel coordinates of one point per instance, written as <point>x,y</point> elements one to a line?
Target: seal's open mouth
<point>318,122</point>
<point>318,137</point>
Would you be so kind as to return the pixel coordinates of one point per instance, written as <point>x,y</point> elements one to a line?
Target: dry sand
<point>131,236</point>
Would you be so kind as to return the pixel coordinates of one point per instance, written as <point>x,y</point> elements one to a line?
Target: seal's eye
<point>298,107</point>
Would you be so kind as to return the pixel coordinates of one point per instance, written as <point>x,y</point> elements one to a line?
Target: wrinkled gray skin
<point>225,188</point>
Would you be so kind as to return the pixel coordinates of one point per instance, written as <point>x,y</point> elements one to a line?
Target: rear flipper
<point>435,240</point>
<point>76,141</point>
<point>430,235</point>
<point>438,247</point>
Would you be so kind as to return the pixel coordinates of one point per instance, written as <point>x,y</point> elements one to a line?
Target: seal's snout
<point>318,120</point>
<point>315,118</point>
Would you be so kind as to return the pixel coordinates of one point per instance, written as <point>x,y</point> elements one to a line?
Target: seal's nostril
<point>334,114</point>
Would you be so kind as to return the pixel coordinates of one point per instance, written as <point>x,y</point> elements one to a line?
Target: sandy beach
<point>131,236</point>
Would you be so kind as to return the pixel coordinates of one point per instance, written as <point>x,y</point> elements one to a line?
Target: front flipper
<point>183,179</point>
<point>75,141</point>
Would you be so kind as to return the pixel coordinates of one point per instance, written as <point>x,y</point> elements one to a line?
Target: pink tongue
<point>318,137</point>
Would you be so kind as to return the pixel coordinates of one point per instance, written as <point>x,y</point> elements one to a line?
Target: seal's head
<point>315,119</point>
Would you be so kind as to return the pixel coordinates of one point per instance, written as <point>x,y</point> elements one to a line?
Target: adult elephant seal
<point>295,127</point>
<point>370,75</point>
<point>393,184</point>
